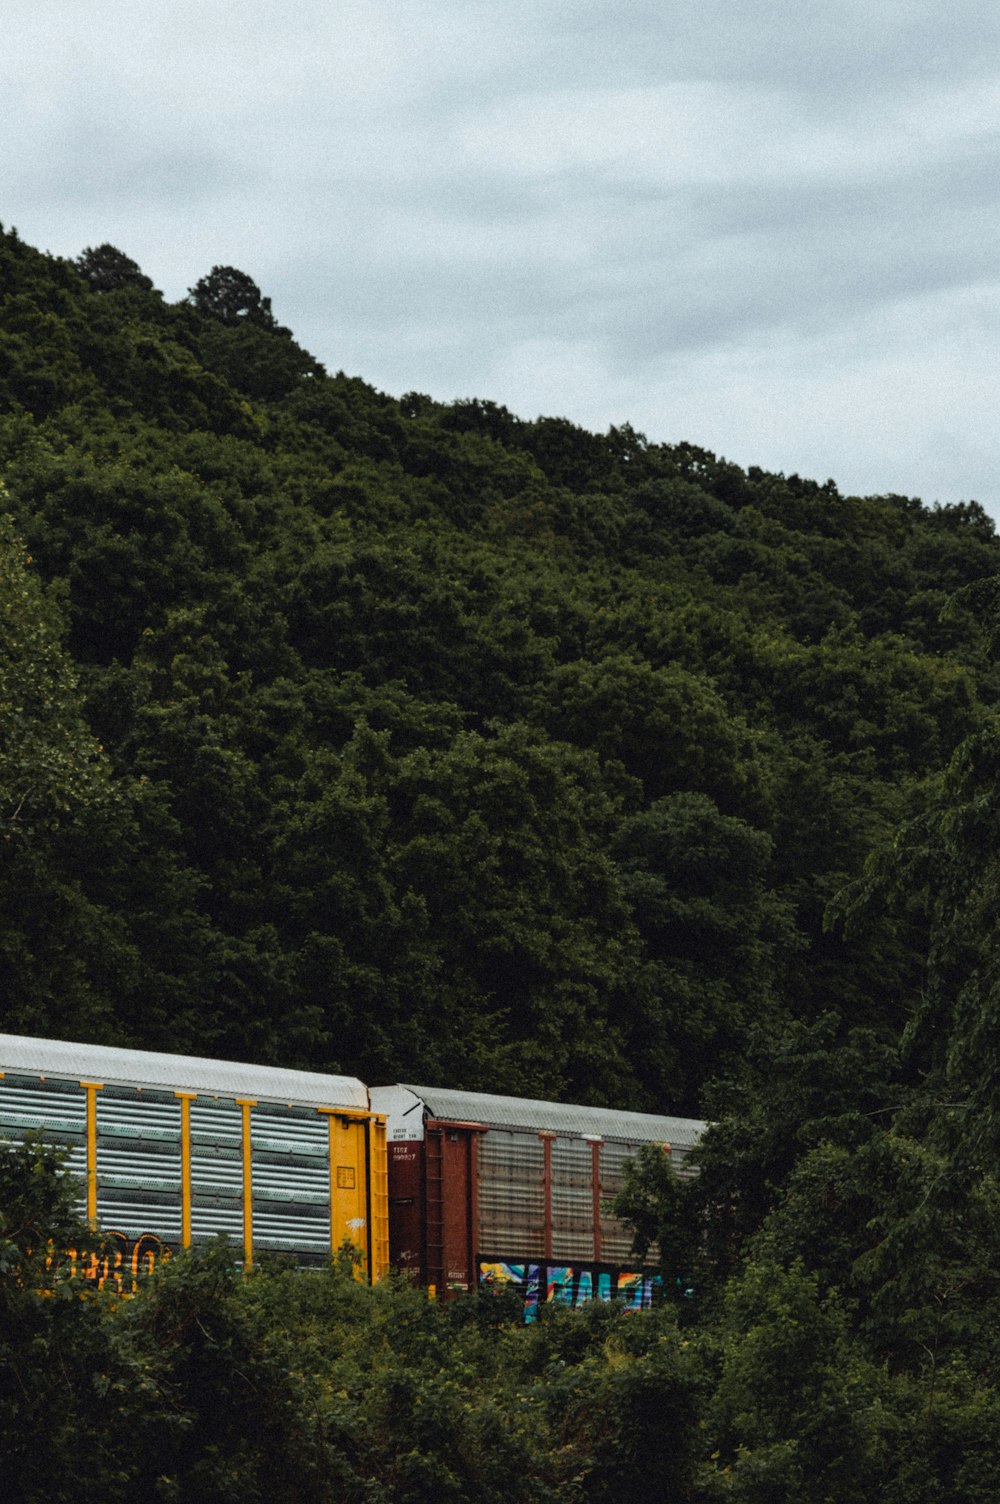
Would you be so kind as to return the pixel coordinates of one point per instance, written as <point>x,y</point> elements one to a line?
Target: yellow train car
<point>170,1150</point>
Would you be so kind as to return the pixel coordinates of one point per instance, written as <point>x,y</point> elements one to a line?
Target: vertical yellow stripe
<point>92,1088</point>
<point>246,1105</point>
<point>185,1099</point>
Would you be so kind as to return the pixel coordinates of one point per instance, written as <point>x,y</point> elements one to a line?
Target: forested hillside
<point>424,741</point>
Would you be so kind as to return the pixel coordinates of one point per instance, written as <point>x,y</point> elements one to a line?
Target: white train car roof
<point>114,1066</point>
<point>400,1104</point>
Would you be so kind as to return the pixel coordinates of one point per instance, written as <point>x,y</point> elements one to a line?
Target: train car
<point>172,1150</point>
<point>517,1192</point>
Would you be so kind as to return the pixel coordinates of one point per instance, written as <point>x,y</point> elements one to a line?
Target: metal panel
<point>350,1211</point>
<point>679,1157</point>
<point>564,1118</point>
<point>572,1200</point>
<point>407,1209</point>
<point>139,1163</point>
<point>616,1238</point>
<point>223,1078</point>
<point>450,1200</point>
<point>403,1111</point>
<point>512,1203</point>
<point>58,1109</point>
<point>216,1170</point>
<point>291,1180</point>
<point>511,1195</point>
<point>54,1110</point>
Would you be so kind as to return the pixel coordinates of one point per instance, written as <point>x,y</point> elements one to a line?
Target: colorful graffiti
<point>572,1285</point>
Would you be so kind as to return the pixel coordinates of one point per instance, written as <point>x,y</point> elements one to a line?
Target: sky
<point>767,228</point>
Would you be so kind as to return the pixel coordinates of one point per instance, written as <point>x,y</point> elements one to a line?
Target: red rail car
<point>511,1190</point>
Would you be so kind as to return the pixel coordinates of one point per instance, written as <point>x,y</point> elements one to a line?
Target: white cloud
<point>764,229</point>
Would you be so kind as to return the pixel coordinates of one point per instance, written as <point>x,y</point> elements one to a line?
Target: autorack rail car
<point>517,1192</point>
<point>172,1150</point>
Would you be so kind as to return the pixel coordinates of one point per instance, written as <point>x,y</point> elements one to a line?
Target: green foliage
<point>795,1412</point>
<point>800,1411</point>
<point>106,269</point>
<point>941,871</point>
<point>713,931</point>
<point>232,297</point>
<point>210,1385</point>
<point>667,727</point>
<point>381,735</point>
<point>641,716</point>
<point>66,1363</point>
<point>50,765</point>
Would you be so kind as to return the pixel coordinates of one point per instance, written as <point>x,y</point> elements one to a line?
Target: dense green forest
<point>422,741</point>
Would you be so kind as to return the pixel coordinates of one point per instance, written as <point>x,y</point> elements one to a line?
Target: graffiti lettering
<point>120,1262</point>
<point>567,1285</point>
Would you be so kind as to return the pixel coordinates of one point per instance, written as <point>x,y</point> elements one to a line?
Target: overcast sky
<point>769,228</point>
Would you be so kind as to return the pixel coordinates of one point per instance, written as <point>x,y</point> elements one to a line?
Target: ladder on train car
<point>434,1203</point>
<point>379,1189</point>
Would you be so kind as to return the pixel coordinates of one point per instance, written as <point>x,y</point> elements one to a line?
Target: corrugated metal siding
<point>572,1200</point>
<point>616,1240</point>
<point>224,1078</point>
<point>512,1199</point>
<point>57,1111</point>
<point>511,1195</point>
<point>563,1118</point>
<point>291,1181</point>
<point>59,1108</point>
<point>139,1163</point>
<point>216,1171</point>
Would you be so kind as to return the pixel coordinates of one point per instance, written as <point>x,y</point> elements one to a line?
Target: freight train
<point>456,1188</point>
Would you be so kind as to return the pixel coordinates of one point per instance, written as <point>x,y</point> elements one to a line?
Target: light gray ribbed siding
<point>512,1200</point>
<point>56,1111</point>
<point>216,1171</point>
<point>139,1162</point>
<point>616,1239</point>
<point>138,1119</point>
<point>291,1181</point>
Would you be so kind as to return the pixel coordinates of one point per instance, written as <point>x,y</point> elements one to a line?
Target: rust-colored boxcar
<point>486,1187</point>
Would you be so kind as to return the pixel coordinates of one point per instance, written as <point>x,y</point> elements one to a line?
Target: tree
<point>107,269</point>
<point>234,298</point>
<point>667,726</point>
<point>797,1410</point>
<point>50,765</point>
<point>502,841</point>
<point>67,1368</point>
<point>945,862</point>
<point>715,936</point>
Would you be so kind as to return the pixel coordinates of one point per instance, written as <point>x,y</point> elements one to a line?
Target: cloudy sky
<point>769,228</point>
